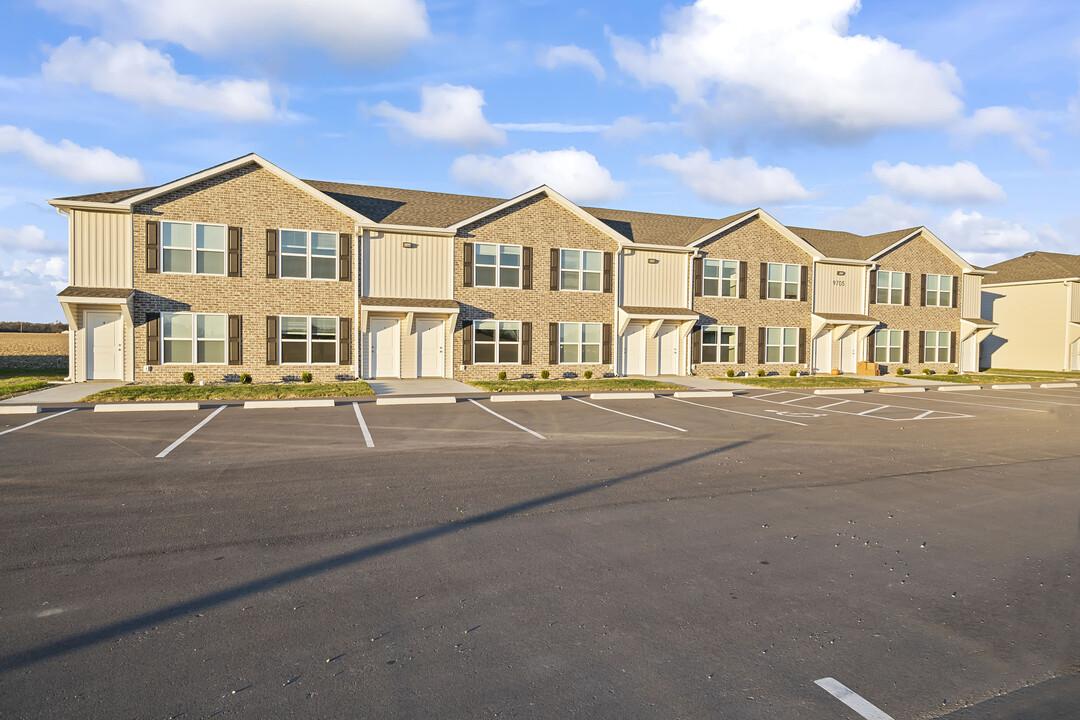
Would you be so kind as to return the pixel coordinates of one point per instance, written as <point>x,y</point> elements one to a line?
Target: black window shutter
<point>873,287</point>
<point>271,255</point>
<point>233,266</point>
<point>952,347</point>
<point>802,346</point>
<point>467,259</point>
<point>607,347</point>
<point>922,293</point>
<point>553,343</point>
<point>344,341</point>
<point>526,343</point>
<point>804,283</point>
<point>466,341</point>
<point>153,338</point>
<point>955,293</point>
<point>695,345</point>
<point>554,268</point>
<point>922,346</point>
<point>699,278</point>
<point>742,279</point>
<point>236,327</point>
<point>609,265</point>
<point>907,288</point>
<point>526,268</point>
<point>906,352</point>
<point>870,356</point>
<point>153,227</point>
<point>271,339</point>
<point>764,280</point>
<point>741,349</point>
<point>344,256</point>
<point>761,345</point>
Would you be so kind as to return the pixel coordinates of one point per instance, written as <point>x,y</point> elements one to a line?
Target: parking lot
<point>695,557</point>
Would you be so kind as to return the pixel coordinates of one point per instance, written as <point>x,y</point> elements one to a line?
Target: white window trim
<point>194,250</point>
<point>308,340</point>
<point>498,266</point>
<point>902,288</point>
<point>498,360</point>
<point>781,361</point>
<point>888,345</point>
<point>282,253</point>
<point>581,343</point>
<point>926,292</point>
<point>798,283</point>
<point>720,278</point>
<point>719,345</point>
<point>581,270</point>
<point>194,338</point>
<point>947,347</point>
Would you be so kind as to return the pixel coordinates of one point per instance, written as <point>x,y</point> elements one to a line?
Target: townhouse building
<point>244,268</point>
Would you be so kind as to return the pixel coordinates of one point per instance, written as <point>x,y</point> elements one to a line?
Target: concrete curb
<point>19,409</point>
<point>959,388</point>
<point>146,407</point>
<point>1058,385</point>
<point>840,391</point>
<point>910,389</point>
<point>526,397</point>
<point>281,404</point>
<point>1012,386</point>
<point>416,400</point>
<point>704,394</point>
<point>622,396</point>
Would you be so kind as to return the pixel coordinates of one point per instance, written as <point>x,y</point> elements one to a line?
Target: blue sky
<point>961,116</point>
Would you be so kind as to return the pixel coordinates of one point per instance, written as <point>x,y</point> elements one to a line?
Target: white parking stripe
<point>363,426</point>
<point>520,427</point>
<point>932,397</point>
<point>1015,393</point>
<point>35,422</point>
<point>190,432</point>
<point>857,703</point>
<point>873,410</point>
<point>654,422</point>
<point>710,407</point>
<point>846,412</point>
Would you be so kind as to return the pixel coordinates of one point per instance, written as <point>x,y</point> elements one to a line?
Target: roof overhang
<point>976,326</point>
<point>838,319</point>
<point>408,229</point>
<point>947,251</point>
<point>95,296</point>
<point>88,205</point>
<point>1032,282</point>
<point>630,245</point>
<point>844,261</point>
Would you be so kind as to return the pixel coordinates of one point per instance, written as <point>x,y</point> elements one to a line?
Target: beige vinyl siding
<point>661,284</point>
<point>971,296</point>
<point>839,289</point>
<point>392,270</point>
<point>1074,302</point>
<point>1030,333</point>
<point>101,253</point>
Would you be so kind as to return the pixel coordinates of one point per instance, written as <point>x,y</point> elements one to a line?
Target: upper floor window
<point>890,288</point>
<point>782,344</point>
<point>720,278</point>
<point>939,290</point>
<point>192,248</point>
<point>784,281</point>
<point>938,346</point>
<point>581,270</point>
<point>497,266</point>
<point>719,344</point>
<point>309,254</point>
<point>308,340</point>
<point>580,342</point>
<point>888,346</point>
<point>496,341</point>
<point>193,338</point>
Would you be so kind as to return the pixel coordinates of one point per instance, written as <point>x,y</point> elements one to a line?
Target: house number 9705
<point>838,282</point>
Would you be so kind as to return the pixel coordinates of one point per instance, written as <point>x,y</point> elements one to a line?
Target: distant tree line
<point>32,327</point>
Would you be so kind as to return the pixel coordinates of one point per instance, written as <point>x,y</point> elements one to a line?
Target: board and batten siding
<point>407,266</point>
<point>659,284</point>
<point>1074,302</point>
<point>839,289</point>
<point>101,253</point>
<point>971,296</point>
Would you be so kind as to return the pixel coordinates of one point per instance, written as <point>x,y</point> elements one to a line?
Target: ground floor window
<point>193,338</point>
<point>579,342</point>
<point>496,341</point>
<point>938,346</point>
<point>719,344</point>
<point>308,340</point>
<point>781,345</point>
<point>888,346</point>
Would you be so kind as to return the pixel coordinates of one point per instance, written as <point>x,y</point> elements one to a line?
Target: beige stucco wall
<point>392,270</point>
<point>1031,326</point>
<point>653,284</point>
<point>100,249</point>
<point>839,288</point>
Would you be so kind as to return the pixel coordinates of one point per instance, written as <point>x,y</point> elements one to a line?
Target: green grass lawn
<point>562,385</point>
<point>282,391</point>
<point>17,381</point>
<point>808,382</point>
<point>979,378</point>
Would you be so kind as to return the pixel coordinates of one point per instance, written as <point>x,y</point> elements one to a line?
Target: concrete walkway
<point>424,386</point>
<point>68,392</point>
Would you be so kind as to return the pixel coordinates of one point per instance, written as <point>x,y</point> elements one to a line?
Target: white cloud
<point>131,71</point>
<point>39,278</point>
<point>791,64</point>
<point>572,56</point>
<point>574,173</point>
<point>878,214</point>
<point>981,239</point>
<point>71,161</point>
<point>628,127</point>
<point>552,127</point>
<point>348,29</point>
<point>448,113</point>
<point>732,181</point>
<point>30,238</point>
<point>1018,124</point>
<point>962,182</point>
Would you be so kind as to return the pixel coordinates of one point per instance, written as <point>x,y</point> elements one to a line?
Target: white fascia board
<point>1032,282</point>
<point>964,265</point>
<point>72,300</point>
<point>422,309</point>
<point>662,248</point>
<point>410,229</point>
<point>844,261</point>
<point>786,232</point>
<point>733,223</point>
<point>979,271</point>
<point>88,205</point>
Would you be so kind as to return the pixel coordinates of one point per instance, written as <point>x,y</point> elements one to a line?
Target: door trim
<point>116,317</point>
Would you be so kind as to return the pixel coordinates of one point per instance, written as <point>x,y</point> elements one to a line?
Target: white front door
<point>105,345</point>
<point>848,351</point>
<point>823,352</point>
<point>969,354</point>
<point>633,349</point>
<point>667,348</point>
<point>385,347</point>
<point>429,347</point>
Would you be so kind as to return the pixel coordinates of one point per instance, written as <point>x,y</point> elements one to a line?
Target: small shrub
<point>901,371</point>
<point>305,377</point>
<point>951,372</point>
<point>588,374</point>
<point>189,377</point>
<point>731,373</point>
<point>793,372</point>
<point>502,374</point>
<point>927,371</point>
<point>245,379</point>
<point>544,374</point>
<point>761,372</point>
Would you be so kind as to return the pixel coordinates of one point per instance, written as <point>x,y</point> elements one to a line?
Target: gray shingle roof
<point>838,244</point>
<point>108,197</point>
<point>94,292</point>
<point>670,312</point>
<point>408,302</point>
<point>1035,266</point>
